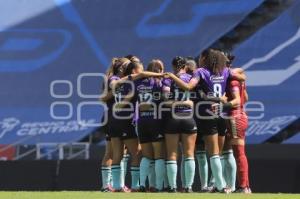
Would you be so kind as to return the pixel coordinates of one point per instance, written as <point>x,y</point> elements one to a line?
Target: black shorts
<point>123,129</point>
<point>222,127</point>
<point>175,126</point>
<point>149,130</point>
<point>105,128</point>
<point>211,126</point>
<point>105,131</point>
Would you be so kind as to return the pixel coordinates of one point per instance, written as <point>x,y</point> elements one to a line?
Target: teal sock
<point>122,173</point>
<point>110,179</point>
<point>144,170</point>
<point>166,181</point>
<point>135,177</point>
<point>151,175</point>
<point>105,174</point>
<point>189,170</point>
<point>116,176</point>
<point>212,181</point>
<point>125,159</point>
<point>124,163</point>
<point>230,169</point>
<point>160,171</point>
<point>224,174</point>
<point>172,173</point>
<point>216,168</point>
<point>182,172</point>
<point>203,168</point>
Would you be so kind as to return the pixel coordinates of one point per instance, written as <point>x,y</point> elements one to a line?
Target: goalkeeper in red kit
<point>237,96</point>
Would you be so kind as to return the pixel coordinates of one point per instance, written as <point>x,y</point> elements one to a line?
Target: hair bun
<point>179,62</point>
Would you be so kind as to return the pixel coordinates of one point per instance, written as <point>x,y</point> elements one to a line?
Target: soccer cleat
<point>224,190</point>
<point>126,189</point>
<point>107,189</point>
<point>142,189</point>
<point>123,190</point>
<point>244,190</point>
<point>172,190</point>
<point>188,190</point>
<point>166,189</point>
<point>206,190</point>
<point>249,190</point>
<point>210,188</point>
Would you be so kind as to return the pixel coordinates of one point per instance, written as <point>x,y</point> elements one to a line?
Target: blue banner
<point>271,59</point>
<point>50,51</point>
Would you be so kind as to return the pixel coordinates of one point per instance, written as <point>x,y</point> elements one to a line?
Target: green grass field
<point>99,195</point>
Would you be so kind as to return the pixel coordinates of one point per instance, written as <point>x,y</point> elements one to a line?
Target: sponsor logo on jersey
<point>216,79</point>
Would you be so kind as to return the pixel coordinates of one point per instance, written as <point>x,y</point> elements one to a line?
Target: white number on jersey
<point>118,97</point>
<point>217,90</point>
<point>146,97</point>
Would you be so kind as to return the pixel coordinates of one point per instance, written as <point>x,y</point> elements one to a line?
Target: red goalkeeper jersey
<point>233,86</point>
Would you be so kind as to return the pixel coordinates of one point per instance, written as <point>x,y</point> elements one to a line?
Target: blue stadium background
<point>50,40</point>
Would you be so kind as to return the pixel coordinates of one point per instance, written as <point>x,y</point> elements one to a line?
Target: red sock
<point>242,165</point>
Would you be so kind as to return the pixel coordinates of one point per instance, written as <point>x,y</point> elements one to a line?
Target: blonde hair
<point>117,66</point>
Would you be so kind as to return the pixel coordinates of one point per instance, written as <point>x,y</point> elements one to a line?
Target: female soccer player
<point>191,65</point>
<point>238,125</point>
<point>180,125</point>
<point>117,71</point>
<point>122,129</point>
<point>112,73</point>
<point>148,93</point>
<point>212,79</point>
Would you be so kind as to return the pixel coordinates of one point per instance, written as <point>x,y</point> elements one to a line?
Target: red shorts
<point>238,125</point>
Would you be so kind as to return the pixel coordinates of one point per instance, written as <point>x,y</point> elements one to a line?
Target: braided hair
<point>178,63</point>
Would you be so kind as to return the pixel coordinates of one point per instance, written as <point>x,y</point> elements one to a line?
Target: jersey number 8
<point>217,90</point>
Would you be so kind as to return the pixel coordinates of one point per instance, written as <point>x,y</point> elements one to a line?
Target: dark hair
<point>132,58</point>
<point>156,66</point>
<point>230,58</point>
<point>178,63</point>
<point>214,61</point>
<point>203,55</point>
<point>131,66</point>
<point>129,56</point>
<point>205,52</point>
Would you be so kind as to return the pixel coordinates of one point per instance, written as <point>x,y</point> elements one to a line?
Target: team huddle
<point>154,117</point>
